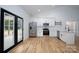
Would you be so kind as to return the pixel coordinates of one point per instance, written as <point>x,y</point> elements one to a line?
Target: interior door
<point>8,30</point>
<point>20,29</point>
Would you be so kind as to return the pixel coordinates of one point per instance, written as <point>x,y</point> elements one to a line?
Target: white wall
<point>20,12</point>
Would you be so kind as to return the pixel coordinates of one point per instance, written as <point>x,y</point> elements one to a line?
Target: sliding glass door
<point>11,30</point>
<point>20,29</point>
<point>9,21</point>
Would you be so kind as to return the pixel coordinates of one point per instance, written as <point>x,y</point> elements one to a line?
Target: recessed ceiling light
<point>38,10</point>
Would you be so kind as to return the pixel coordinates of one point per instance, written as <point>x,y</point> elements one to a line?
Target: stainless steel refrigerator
<point>32,29</point>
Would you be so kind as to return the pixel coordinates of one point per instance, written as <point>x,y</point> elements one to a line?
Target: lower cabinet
<point>53,33</point>
<point>39,31</point>
<point>67,37</point>
<point>11,30</point>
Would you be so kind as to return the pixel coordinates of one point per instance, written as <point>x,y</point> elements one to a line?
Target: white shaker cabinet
<point>68,37</point>
<point>39,31</point>
<point>53,33</point>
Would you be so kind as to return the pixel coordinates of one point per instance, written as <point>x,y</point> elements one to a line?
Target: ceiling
<point>35,9</point>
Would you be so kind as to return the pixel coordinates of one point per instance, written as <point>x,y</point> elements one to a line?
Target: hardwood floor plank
<point>43,45</point>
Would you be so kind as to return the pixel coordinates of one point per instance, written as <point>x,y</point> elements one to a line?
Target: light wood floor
<point>43,45</point>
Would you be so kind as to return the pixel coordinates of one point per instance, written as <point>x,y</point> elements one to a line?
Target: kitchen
<point>46,27</point>
<point>63,31</point>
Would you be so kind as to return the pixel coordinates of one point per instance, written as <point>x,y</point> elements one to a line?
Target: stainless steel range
<point>46,29</point>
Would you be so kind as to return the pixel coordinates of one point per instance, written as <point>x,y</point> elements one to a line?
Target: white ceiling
<point>34,9</point>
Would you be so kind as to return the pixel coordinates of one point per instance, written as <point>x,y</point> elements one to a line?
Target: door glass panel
<point>19,29</point>
<point>8,30</point>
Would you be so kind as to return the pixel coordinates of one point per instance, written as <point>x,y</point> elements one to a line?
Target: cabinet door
<point>9,21</point>
<point>39,31</point>
<point>20,29</point>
